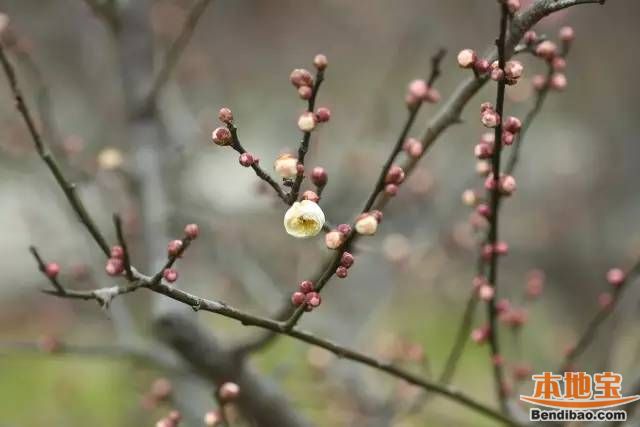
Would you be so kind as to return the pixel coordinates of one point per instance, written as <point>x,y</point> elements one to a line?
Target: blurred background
<point>574,215</point>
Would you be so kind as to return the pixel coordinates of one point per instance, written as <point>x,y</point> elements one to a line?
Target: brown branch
<point>42,266</point>
<point>173,54</point>
<point>306,138</point>
<point>126,259</point>
<point>67,187</point>
<point>601,315</point>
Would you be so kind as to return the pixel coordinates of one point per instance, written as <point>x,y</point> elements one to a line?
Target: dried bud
<point>117,252</point>
<point>320,62</point>
<point>286,165</point>
<point>513,70</point>
<point>305,92</point>
<point>566,34</point>
<point>310,195</point>
<point>346,260</point>
<point>307,122</point>
<point>52,269</point>
<point>507,185</point>
<point>191,231</point>
<point>114,267</point>
<point>413,148</point>
<point>246,159</point>
<point>319,176</point>
<point>334,239</point>
<point>344,229</point>
<point>225,115</point>
<point>395,175</point>
<point>615,277</point>
<point>170,275</point>
<point>512,124</point>
<point>301,77</point>
<point>221,136</point>
<point>228,391</point>
<point>490,119</point>
<point>546,49</point>
<point>366,224</point>
<point>306,286</point>
<point>297,298</point>
<point>558,82</point>
<point>467,58</point>
<point>173,248</point>
<point>481,66</point>
<point>342,272</point>
<point>323,114</point>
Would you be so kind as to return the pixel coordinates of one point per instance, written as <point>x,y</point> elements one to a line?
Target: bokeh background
<point>574,215</point>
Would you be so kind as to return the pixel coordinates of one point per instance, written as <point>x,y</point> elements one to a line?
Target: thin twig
<point>126,259</point>
<point>173,54</point>
<point>42,266</point>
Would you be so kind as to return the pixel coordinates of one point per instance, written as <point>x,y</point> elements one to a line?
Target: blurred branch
<point>117,222</point>
<point>176,49</point>
<point>601,315</point>
<point>105,10</point>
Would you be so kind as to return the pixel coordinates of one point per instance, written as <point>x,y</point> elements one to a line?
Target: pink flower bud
<point>546,49</point>
<point>484,210</point>
<point>305,92</point>
<point>246,159</point>
<point>221,136</point>
<point>486,293</point>
<point>306,286</point>
<point>299,169</point>
<point>301,77</point>
<point>432,96</point>
<point>615,277</point>
<point>117,252</point>
<point>395,175</point>
<point>170,275</point>
<point>513,69</point>
<point>512,124</point>
<point>313,299</point>
<point>513,6</point>
<point>539,82</point>
<point>191,231</point>
<point>534,284</point>
<point>501,248</point>
<point>417,89</point>
<point>559,63</point>
<point>310,195</point>
<point>297,298</point>
<point>467,58</point>
<point>503,305</point>
<point>486,106</point>
<point>605,300</point>
<point>490,182</point>
<point>487,251</point>
<point>478,282</point>
<point>173,248</point>
<point>391,190</point>
<point>483,151</point>
<point>413,148</point>
<point>346,260</point>
<point>530,37</point>
<point>323,114</point>
<point>490,119</point>
<point>307,122</point>
<point>114,267</point>
<point>320,61</point>
<point>507,137</point>
<point>344,229</point>
<point>558,82</point>
<point>225,115</point>
<point>507,185</point>
<point>481,66</point>
<point>497,74</point>
<point>334,239</point>
<point>52,269</point>
<point>377,215</point>
<point>566,34</point>
<point>480,335</point>
<point>319,176</point>
<point>228,391</point>
<point>342,272</point>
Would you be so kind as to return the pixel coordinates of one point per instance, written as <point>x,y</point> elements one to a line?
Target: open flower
<point>304,219</point>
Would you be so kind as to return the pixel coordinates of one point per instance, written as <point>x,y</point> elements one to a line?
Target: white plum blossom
<point>304,219</point>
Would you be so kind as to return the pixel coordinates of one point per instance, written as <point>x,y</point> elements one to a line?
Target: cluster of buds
<point>513,317</point>
<point>171,420</point>
<point>115,263</point>
<point>500,248</point>
<point>506,184</point>
<point>511,73</point>
<point>367,223</point>
<point>306,296</point>
<point>418,91</point>
<point>346,261</point>
<point>334,239</point>
<point>549,51</point>
<point>395,177</point>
